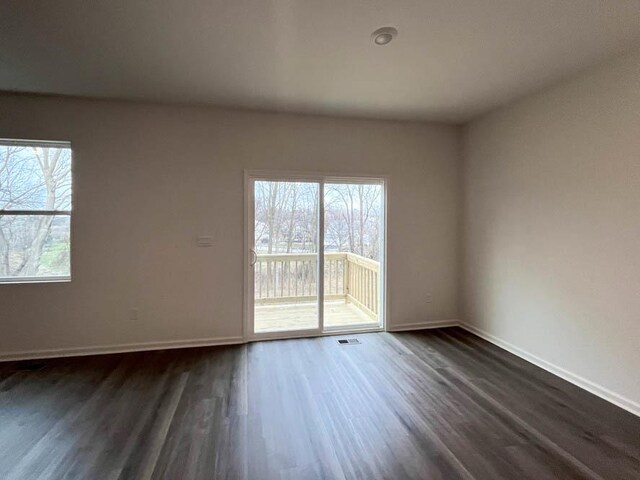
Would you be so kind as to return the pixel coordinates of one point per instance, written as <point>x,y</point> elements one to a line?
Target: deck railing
<point>292,277</point>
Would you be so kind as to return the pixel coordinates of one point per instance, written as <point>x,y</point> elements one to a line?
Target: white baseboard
<point>123,348</point>
<point>598,390</point>
<point>423,325</point>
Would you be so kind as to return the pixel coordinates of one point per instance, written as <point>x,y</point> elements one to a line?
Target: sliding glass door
<point>303,229</point>
<point>285,256</point>
<point>353,246</point>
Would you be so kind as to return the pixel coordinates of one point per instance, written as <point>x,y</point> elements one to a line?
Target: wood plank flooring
<point>439,404</point>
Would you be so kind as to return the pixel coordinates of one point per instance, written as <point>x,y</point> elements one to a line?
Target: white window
<point>35,211</point>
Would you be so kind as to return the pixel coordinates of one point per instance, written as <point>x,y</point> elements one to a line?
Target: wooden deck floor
<point>299,316</point>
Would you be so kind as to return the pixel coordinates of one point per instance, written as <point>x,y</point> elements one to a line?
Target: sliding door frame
<point>321,179</point>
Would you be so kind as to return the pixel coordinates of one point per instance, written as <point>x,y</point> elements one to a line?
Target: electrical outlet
<point>428,298</point>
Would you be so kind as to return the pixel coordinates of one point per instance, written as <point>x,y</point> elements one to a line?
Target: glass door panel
<point>353,254</point>
<point>285,256</point>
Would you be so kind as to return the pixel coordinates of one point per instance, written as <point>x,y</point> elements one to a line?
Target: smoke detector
<point>384,35</point>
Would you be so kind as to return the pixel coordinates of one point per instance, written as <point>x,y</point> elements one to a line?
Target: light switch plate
<point>204,241</point>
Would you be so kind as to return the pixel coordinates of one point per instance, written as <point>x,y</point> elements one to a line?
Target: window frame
<point>40,213</point>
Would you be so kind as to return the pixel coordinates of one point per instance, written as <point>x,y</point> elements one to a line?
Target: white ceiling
<point>452,60</point>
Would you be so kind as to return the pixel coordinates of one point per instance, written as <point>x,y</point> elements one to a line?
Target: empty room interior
<point>291,239</point>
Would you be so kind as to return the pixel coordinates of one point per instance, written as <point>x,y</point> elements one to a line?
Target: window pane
<point>353,242</point>
<point>35,177</point>
<point>286,245</point>
<point>34,246</point>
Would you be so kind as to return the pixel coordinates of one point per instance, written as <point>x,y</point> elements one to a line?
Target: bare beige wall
<point>551,216</point>
<point>149,179</point>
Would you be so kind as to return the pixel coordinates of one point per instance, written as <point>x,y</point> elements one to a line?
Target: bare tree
<point>286,215</point>
<point>353,212</point>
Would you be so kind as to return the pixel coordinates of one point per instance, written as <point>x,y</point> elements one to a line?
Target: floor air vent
<point>349,341</point>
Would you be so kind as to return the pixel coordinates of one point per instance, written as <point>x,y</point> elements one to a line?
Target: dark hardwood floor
<point>439,404</point>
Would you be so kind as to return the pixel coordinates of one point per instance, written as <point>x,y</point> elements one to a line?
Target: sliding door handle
<point>254,257</point>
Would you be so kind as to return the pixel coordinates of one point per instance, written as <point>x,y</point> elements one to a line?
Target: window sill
<point>20,280</point>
